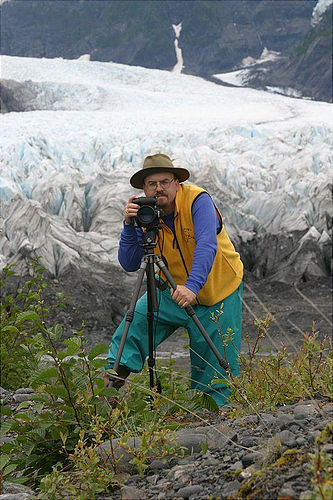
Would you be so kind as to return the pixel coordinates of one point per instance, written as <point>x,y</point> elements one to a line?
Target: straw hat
<point>154,164</point>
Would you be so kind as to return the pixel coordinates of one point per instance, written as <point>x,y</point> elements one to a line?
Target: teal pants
<point>204,364</point>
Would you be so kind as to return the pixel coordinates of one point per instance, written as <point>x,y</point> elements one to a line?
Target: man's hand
<point>182,295</point>
<point>131,210</point>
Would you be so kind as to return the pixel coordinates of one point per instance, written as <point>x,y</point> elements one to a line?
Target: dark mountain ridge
<point>216,35</point>
<point>307,68</point>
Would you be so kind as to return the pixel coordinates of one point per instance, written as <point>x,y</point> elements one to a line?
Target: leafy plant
<point>53,433</point>
<point>322,465</point>
<point>278,378</point>
<point>22,315</point>
<point>69,393</point>
<point>84,476</point>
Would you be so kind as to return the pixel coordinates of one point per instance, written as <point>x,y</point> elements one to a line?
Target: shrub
<point>56,431</point>
<point>265,382</point>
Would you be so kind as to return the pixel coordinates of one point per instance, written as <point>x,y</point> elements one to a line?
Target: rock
<point>187,460</point>
<point>248,441</point>
<point>152,479</point>
<point>180,472</point>
<point>268,420</point>
<point>24,390</point>
<point>236,465</point>
<point>295,428</point>
<point>164,484</point>
<point>121,454</point>
<point>212,471</point>
<point>156,465</point>
<point>287,438</point>
<point>306,495</point>
<point>284,420</point>
<point>327,448</point>
<point>301,441</point>
<point>248,472</point>
<point>249,419</point>
<point>212,436</point>
<point>286,492</point>
<point>327,409</point>
<point>190,439</point>
<point>16,496</point>
<point>16,488</point>
<point>19,398</point>
<point>211,461</point>
<point>230,489</point>
<point>313,435</point>
<point>321,425</point>
<point>131,493</point>
<point>251,458</point>
<point>302,412</point>
<point>189,491</point>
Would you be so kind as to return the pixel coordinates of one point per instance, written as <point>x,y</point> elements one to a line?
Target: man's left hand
<point>183,296</point>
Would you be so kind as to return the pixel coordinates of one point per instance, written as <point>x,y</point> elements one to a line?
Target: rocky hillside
<point>216,36</point>
<point>307,68</point>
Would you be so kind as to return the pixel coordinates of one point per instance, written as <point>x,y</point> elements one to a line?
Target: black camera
<point>148,214</point>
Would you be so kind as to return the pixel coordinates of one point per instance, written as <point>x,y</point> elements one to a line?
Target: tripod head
<point>149,239</point>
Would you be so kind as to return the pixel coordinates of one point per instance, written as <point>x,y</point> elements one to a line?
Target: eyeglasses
<point>164,183</point>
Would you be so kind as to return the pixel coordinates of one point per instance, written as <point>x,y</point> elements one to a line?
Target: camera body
<point>148,214</point>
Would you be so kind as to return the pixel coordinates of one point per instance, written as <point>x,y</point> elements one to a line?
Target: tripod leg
<point>130,313</point>
<point>152,307</point>
<point>191,313</point>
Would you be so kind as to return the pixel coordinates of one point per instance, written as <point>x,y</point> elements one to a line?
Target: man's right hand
<point>131,210</point>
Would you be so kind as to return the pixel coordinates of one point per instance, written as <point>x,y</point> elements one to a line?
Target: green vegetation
<point>55,438</point>
<point>322,465</point>
<point>279,378</point>
<point>323,29</point>
<point>56,434</point>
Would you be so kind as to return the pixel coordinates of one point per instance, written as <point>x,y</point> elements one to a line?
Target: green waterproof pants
<point>204,364</point>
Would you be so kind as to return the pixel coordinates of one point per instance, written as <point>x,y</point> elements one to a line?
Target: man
<point>204,264</point>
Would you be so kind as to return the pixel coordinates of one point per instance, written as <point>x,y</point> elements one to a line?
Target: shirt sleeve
<point>205,224</point>
<point>130,251</point>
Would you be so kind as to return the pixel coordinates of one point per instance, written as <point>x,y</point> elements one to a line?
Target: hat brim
<point>137,179</point>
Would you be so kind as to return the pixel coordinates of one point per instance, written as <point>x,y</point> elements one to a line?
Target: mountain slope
<point>310,66</point>
<point>307,68</point>
<point>216,35</point>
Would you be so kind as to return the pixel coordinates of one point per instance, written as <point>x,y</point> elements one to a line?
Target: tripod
<point>147,267</point>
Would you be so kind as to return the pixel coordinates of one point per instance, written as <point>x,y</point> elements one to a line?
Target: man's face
<point>164,186</point>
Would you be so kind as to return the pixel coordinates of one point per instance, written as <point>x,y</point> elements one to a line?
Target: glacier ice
<point>65,162</point>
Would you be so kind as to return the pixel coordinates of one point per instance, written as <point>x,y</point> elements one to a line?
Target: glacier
<point>76,130</point>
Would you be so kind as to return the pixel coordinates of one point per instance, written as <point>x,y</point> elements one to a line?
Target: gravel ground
<point>260,456</point>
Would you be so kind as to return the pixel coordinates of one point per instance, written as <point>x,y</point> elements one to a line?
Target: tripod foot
<point>116,381</point>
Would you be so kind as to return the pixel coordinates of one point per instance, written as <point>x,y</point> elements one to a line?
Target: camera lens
<point>146,215</point>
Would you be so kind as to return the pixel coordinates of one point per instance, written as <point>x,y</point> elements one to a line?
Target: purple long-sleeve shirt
<point>206,224</point>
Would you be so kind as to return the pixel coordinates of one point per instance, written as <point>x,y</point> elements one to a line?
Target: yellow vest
<point>178,249</point>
